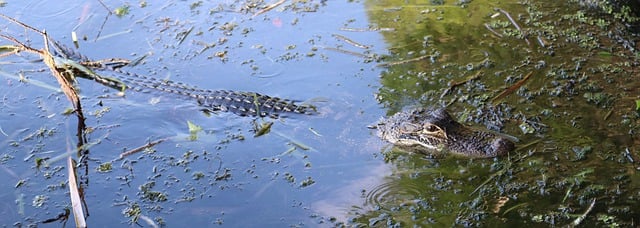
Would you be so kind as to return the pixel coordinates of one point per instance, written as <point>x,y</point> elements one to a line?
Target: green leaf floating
<point>193,130</point>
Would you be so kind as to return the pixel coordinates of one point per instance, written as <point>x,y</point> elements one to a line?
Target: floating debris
<point>121,11</point>
<point>388,64</point>
<point>492,31</point>
<point>584,215</point>
<point>193,131</point>
<point>373,29</point>
<point>347,52</point>
<point>146,146</point>
<point>269,7</point>
<point>310,129</point>
<point>74,193</point>
<point>515,24</point>
<point>262,129</point>
<point>350,41</point>
<point>511,89</point>
<point>453,85</point>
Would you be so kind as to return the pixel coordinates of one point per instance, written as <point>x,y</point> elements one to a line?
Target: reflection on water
<point>573,116</point>
<point>352,193</point>
<point>570,117</point>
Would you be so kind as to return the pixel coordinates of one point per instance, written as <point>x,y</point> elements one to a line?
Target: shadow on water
<point>575,118</point>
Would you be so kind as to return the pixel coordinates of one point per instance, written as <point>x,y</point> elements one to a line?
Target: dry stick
<point>31,28</point>
<point>583,216</point>
<point>76,205</point>
<point>105,6</point>
<point>70,92</point>
<point>20,23</point>
<point>136,150</point>
<point>105,19</point>
<point>368,29</point>
<point>512,88</point>
<point>492,31</point>
<point>269,7</point>
<point>456,84</point>
<point>65,84</point>
<point>350,41</point>
<point>21,46</point>
<point>514,23</point>
<point>541,41</point>
<point>403,61</point>
<point>347,52</point>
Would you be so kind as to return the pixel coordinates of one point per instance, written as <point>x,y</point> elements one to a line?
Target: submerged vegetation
<point>557,75</point>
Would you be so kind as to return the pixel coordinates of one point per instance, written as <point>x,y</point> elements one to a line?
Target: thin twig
<point>20,23</point>
<point>347,52</point>
<point>65,84</point>
<point>512,88</point>
<point>541,41</point>
<point>492,31</point>
<point>105,6</point>
<point>21,46</point>
<point>105,19</point>
<point>269,7</point>
<point>371,29</point>
<point>510,18</point>
<point>350,41</point>
<point>76,205</point>
<point>584,215</point>
<point>388,64</point>
<point>136,150</point>
<point>515,24</point>
<point>456,84</point>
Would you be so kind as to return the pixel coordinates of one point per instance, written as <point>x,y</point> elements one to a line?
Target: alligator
<point>418,130</point>
<point>428,131</point>
<point>238,102</point>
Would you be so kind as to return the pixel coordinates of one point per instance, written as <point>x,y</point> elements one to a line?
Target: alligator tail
<point>250,103</point>
<point>237,102</point>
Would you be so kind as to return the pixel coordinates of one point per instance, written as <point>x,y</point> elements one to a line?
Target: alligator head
<point>427,131</point>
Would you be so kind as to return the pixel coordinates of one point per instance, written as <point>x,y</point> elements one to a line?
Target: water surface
<point>575,118</point>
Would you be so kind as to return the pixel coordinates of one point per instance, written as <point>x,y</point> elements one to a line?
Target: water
<point>226,175</point>
<point>574,118</point>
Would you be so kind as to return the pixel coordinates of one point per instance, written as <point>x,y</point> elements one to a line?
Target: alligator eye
<point>431,128</point>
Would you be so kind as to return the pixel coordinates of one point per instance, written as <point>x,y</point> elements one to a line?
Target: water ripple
<point>392,192</point>
<point>47,9</point>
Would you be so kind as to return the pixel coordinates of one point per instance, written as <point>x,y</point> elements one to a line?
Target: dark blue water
<point>242,182</point>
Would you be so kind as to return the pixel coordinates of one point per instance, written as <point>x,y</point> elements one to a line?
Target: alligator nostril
<point>409,128</point>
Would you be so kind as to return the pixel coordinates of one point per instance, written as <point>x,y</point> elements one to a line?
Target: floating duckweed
<point>198,175</point>
<point>39,201</point>
<point>121,11</point>
<point>105,167</point>
<point>289,178</point>
<point>134,211</point>
<point>307,182</point>
<point>148,194</point>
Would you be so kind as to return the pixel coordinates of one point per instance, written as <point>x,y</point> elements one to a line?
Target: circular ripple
<point>49,9</point>
<point>392,192</point>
